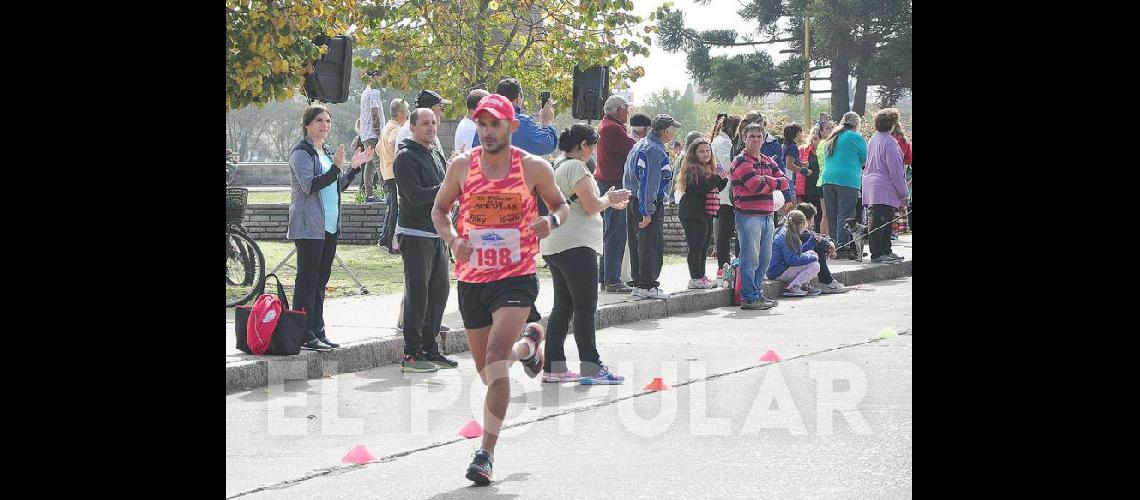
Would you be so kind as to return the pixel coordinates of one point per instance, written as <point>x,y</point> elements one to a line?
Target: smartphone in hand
<point>545,97</point>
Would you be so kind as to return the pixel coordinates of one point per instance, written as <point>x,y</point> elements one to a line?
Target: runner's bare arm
<point>449,191</point>
<point>540,180</point>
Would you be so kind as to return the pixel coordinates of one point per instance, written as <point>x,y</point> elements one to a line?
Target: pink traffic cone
<point>359,455</point>
<point>770,356</point>
<point>471,430</point>
<point>657,385</point>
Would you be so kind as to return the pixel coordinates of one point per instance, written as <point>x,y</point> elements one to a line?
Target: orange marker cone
<point>657,385</point>
<point>771,356</point>
<point>359,455</point>
<point>471,430</point>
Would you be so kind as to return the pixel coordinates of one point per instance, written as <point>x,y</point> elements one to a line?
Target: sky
<point>665,70</point>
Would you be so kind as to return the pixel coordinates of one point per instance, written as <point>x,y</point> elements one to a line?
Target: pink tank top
<point>494,215</point>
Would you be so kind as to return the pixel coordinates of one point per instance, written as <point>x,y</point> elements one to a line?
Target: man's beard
<point>498,146</point>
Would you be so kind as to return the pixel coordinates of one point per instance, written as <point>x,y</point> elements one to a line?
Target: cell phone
<point>545,96</point>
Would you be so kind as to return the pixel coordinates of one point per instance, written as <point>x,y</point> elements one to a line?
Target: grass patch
<point>380,272</point>
<point>268,197</point>
<point>274,197</point>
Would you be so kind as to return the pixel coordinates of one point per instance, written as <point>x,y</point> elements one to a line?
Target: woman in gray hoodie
<point>314,216</point>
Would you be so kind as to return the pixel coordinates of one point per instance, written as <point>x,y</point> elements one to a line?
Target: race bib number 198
<point>494,248</point>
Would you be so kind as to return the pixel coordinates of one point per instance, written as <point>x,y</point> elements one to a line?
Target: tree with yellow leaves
<point>452,46</point>
<point>269,46</point>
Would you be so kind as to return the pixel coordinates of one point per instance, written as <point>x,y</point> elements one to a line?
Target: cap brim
<point>445,101</point>
<point>494,113</point>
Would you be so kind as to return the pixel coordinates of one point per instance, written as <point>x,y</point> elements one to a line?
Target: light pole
<point>807,72</point>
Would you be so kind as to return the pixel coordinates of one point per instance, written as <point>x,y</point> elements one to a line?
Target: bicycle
<point>245,264</point>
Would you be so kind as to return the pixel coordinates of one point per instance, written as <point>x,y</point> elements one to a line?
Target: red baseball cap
<point>497,105</point>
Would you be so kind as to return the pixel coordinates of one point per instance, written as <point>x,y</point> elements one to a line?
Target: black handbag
<point>287,335</point>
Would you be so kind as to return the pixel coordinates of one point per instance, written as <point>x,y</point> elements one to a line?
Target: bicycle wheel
<point>245,268</point>
<point>231,174</point>
<point>244,274</point>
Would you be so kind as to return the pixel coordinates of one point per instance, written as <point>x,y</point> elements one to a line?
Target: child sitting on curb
<point>824,248</point>
<point>794,260</point>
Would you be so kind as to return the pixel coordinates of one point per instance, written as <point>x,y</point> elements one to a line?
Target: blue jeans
<point>755,233</point>
<point>613,240</point>
<point>841,202</point>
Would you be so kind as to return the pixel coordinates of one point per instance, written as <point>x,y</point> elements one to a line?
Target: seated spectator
<point>793,260</point>
<point>824,248</point>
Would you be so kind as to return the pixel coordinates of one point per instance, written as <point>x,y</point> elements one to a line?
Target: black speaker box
<point>591,89</point>
<point>329,82</point>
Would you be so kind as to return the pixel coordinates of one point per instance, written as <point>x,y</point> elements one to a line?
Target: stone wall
<point>360,224</point>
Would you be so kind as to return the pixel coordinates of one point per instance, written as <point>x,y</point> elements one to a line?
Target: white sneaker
<point>656,293</point>
<point>639,293</point>
<point>794,291</point>
<point>834,287</point>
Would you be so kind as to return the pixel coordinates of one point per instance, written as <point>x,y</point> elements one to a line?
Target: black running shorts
<point>478,300</point>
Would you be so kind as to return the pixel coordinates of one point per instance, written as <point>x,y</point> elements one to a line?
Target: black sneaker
<point>533,365</point>
<point>328,342</point>
<point>480,469</point>
<point>442,328</point>
<point>618,288</point>
<point>417,364</point>
<point>440,360</point>
<point>315,344</point>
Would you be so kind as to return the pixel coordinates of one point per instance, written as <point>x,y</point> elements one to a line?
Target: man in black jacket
<point>419,171</point>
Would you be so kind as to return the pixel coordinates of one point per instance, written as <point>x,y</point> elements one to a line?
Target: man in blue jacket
<point>774,149</point>
<point>530,137</point>
<point>648,176</point>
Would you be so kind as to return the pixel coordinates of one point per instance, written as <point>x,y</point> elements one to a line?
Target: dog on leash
<point>858,236</point>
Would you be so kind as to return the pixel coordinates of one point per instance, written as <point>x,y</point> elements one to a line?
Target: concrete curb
<point>249,372</point>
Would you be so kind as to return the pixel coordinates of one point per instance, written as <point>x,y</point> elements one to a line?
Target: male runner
<point>499,227</point>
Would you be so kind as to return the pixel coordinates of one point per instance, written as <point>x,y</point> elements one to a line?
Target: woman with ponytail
<point>842,179</point>
<point>794,261</point>
<point>571,252</point>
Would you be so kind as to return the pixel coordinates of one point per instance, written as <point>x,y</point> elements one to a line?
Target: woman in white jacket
<point>723,133</point>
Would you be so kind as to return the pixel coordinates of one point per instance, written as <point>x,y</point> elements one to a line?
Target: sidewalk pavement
<point>365,324</point>
<point>714,434</point>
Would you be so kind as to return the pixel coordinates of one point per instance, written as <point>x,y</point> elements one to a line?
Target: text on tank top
<point>494,215</point>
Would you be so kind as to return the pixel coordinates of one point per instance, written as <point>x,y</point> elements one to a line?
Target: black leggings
<point>824,273</point>
<point>314,267</point>
<point>575,295</point>
<point>726,227</point>
<point>696,235</point>
<point>880,241</point>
